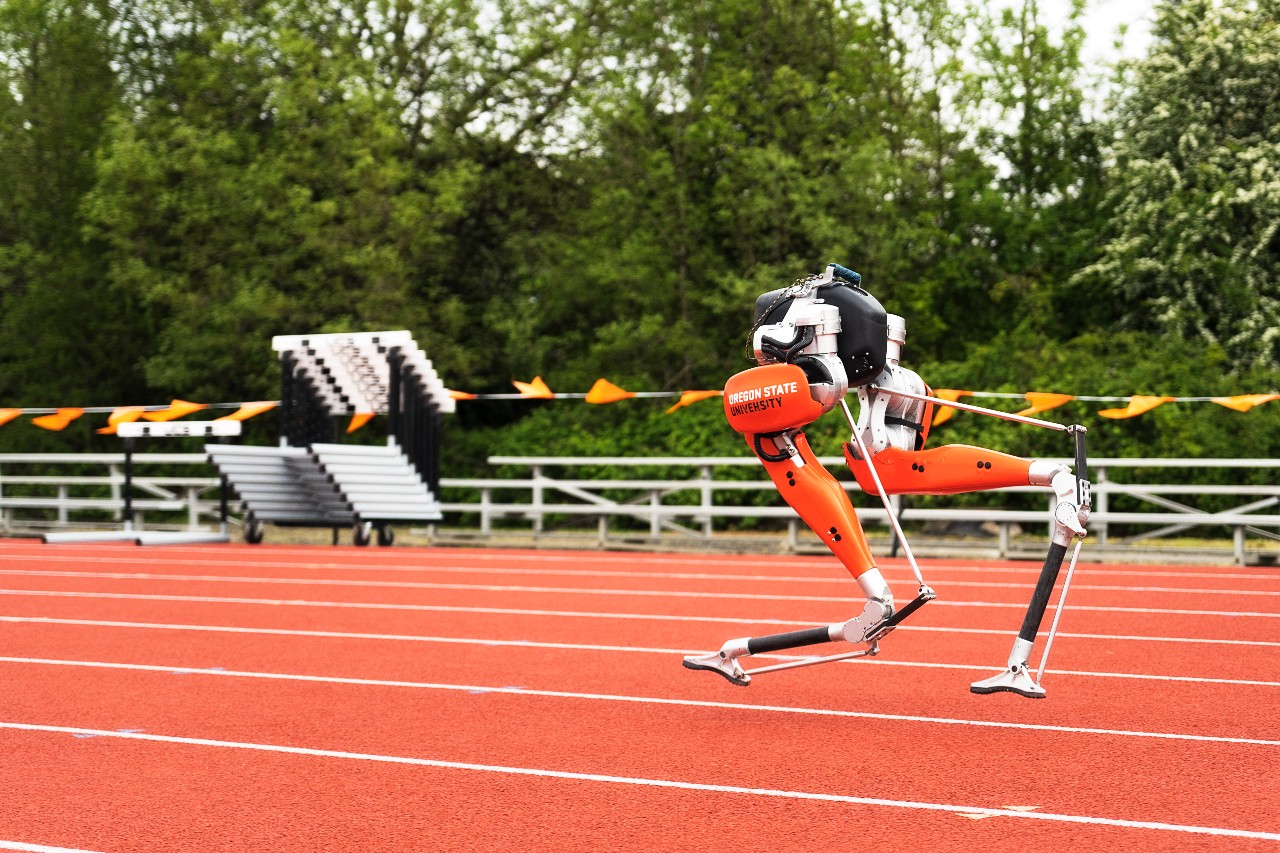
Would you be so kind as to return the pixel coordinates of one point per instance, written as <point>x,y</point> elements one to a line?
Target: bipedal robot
<point>813,342</point>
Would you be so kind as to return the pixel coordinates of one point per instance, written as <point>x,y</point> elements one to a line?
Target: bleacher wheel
<point>360,533</point>
<point>385,535</point>
<point>253,531</point>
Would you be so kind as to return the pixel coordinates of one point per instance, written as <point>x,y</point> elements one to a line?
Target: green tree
<point>65,337</point>
<point>1032,84</point>
<point>255,187</point>
<point>736,145</point>
<point>1193,248</point>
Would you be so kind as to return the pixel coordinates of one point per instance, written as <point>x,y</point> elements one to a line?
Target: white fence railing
<point>56,500</point>
<point>688,497</point>
<point>553,492</point>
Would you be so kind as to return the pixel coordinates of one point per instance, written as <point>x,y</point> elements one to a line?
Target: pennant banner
<point>535,390</point>
<point>122,415</point>
<point>1138,405</point>
<point>358,420</point>
<point>604,392</point>
<point>1042,402</point>
<point>62,417</point>
<point>1245,402</point>
<point>945,413</point>
<point>248,410</point>
<point>177,409</point>
<point>688,398</point>
<point>59,420</point>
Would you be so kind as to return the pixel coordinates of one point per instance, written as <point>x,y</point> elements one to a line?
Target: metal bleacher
<point>312,481</point>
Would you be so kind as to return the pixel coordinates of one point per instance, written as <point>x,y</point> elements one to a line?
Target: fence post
<point>193,508</point>
<point>486,525</point>
<point>113,472</point>
<point>708,525</point>
<point>537,500</point>
<point>1102,505</point>
<point>655,520</point>
<point>62,504</point>
<point>1237,537</point>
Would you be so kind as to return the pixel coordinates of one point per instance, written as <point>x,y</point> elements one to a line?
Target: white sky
<point>1102,20</point>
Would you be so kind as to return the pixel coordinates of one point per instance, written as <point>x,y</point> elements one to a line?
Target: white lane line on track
<point>1110,638</point>
<point>837,576</point>
<point>491,643</point>
<point>39,848</point>
<point>661,783</point>
<point>138,596</point>
<point>474,689</point>
<point>951,808</point>
<point>597,647</point>
<point>557,590</point>
<point>367,559</point>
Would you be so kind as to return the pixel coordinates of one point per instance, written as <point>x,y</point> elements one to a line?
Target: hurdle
<point>311,480</point>
<point>131,432</point>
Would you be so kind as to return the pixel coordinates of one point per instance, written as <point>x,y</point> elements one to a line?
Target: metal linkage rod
<point>1062,600</point>
<point>884,497</point>
<point>1005,416</point>
<point>872,651</point>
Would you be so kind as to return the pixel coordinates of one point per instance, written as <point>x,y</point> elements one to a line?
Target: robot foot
<point>1016,679</point>
<point>724,662</point>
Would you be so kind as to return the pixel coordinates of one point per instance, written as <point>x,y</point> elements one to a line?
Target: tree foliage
<point>1194,240</point>
<point>586,188</point>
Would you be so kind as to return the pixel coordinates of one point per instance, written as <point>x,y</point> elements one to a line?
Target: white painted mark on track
<point>951,808</point>
<point>39,848</point>
<point>988,632</point>
<point>839,578</point>
<point>647,700</point>
<point>362,605</point>
<point>366,559</point>
<point>589,647</point>
<point>558,590</point>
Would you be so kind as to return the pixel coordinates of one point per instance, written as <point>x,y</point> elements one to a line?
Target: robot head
<point>863,341</point>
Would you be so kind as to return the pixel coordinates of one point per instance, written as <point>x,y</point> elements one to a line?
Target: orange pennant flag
<point>1042,401</point>
<point>122,415</point>
<point>248,410</point>
<point>58,420</point>
<point>690,397</point>
<point>945,413</point>
<point>7,415</point>
<point>1245,402</point>
<point>177,409</point>
<point>358,420</point>
<point>605,391</point>
<point>1138,404</point>
<point>461,395</point>
<point>535,390</point>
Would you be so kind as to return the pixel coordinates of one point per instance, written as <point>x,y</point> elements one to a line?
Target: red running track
<point>229,697</point>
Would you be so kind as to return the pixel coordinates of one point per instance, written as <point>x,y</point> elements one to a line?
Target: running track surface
<point>229,697</point>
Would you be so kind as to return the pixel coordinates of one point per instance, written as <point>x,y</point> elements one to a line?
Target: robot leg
<point>953,469</point>
<point>770,405</point>
<point>824,505</point>
<point>1070,515</point>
